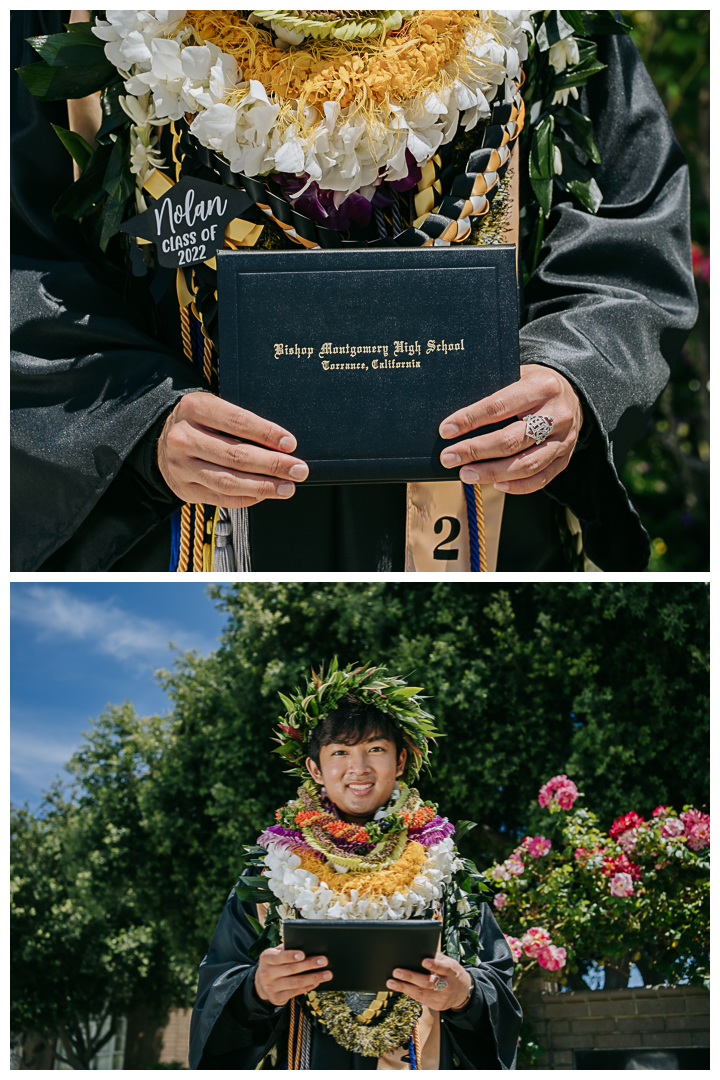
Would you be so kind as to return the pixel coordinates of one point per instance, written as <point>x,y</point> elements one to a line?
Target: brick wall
<point>648,1017</point>
<point>176,1037</point>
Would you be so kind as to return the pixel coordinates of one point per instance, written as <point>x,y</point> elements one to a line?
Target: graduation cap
<point>187,221</point>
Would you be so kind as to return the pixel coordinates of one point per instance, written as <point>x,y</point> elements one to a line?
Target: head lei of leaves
<point>373,686</point>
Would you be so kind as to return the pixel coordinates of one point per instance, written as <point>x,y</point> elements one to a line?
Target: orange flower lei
<point>404,64</point>
<point>339,829</point>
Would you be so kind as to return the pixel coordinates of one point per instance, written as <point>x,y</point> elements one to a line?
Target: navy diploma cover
<point>362,352</point>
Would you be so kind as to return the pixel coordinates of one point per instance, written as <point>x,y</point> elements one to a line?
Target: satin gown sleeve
<point>613,298</point>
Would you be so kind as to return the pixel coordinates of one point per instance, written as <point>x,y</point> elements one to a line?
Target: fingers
<point>203,464</point>
<point>414,978</point>
<point>529,463</point>
<point>219,415</point>
<point>290,962</point>
<point>533,483</point>
<point>535,388</point>
<point>195,443</point>
<point>440,965</point>
<point>282,974</point>
<point>496,444</point>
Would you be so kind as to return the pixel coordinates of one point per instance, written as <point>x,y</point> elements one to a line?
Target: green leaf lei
<point>555,126</point>
<point>370,685</point>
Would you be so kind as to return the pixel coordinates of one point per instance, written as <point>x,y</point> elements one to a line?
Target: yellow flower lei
<point>396,878</point>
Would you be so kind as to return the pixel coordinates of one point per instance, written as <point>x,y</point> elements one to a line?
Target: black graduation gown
<point>94,377</point>
<point>231,1028</point>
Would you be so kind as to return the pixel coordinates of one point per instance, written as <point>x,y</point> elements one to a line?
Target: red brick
<point>667,1038</point>
<point>573,1042</point>
<point>558,1027</point>
<point>599,1025</point>
<point>661,1005</point>
<point>612,1008</point>
<point>685,1023</point>
<point>620,1040</point>
<point>641,1023</point>
<point>698,1004</point>
<point>701,1038</point>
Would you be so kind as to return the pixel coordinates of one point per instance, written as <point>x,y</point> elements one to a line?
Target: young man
<point>358,842</point>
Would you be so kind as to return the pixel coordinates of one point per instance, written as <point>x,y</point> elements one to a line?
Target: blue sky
<point>77,647</point>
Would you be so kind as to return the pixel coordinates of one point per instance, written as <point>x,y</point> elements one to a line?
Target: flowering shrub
<point>638,892</point>
<point>558,792</point>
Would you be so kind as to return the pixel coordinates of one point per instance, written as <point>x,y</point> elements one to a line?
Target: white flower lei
<point>314,899</point>
<point>344,152</point>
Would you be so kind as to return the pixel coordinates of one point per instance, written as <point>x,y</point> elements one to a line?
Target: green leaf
<point>462,828</point>
<point>582,131</point>
<point>58,83</point>
<point>114,116</point>
<point>578,180</point>
<point>579,73</point>
<point>406,691</point>
<point>255,923</point>
<point>78,46</point>
<point>603,22</point>
<point>118,181</point>
<point>79,149</point>
<point>86,192</point>
<point>574,19</point>
<point>553,29</point>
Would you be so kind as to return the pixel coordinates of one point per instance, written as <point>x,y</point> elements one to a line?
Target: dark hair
<point>353,722</point>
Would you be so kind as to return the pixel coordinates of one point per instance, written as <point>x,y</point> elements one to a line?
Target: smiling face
<point>359,779</point>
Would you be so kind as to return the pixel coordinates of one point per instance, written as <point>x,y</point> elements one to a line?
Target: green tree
<point>85,948</point>
<point>607,683</point>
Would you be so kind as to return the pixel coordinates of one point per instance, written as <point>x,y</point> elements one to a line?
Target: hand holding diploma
<point>509,458</point>
<point>283,974</point>
<point>455,993</point>
<point>204,458</point>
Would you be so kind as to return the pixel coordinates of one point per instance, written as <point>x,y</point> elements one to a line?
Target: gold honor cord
<point>440,535</point>
<point>197,522</point>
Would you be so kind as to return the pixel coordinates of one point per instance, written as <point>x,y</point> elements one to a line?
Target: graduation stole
<point>451,527</point>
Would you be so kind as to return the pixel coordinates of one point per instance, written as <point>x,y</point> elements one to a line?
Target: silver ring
<point>441,984</point>
<point>538,427</point>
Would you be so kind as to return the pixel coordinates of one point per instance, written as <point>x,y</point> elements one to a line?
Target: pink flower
<point>565,796</point>
<point>662,811</point>
<point>500,900</point>
<point>624,830</point>
<point>672,826</point>
<point>537,846</point>
<point>697,827</point>
<point>515,947</point>
<point>559,791</point>
<point>624,823</point>
<point>552,957</point>
<point>534,940</point>
<point>613,864</point>
<point>514,866</point>
<point>621,885</point>
<point>499,873</point>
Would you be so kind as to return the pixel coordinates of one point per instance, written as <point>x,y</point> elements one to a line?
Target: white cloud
<point>57,613</point>
<point>36,761</point>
